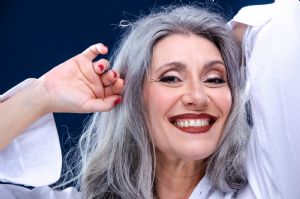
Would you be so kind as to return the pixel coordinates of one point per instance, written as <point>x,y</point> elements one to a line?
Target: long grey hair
<point>118,159</point>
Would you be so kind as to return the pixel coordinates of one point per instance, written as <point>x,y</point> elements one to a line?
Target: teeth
<point>192,123</point>
<point>186,123</point>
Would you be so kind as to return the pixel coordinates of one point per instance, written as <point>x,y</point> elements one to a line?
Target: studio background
<point>37,35</point>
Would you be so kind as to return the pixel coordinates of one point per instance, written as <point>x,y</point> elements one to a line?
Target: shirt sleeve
<point>272,46</point>
<point>17,192</point>
<point>34,157</point>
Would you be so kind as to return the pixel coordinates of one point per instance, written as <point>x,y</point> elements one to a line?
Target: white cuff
<point>34,157</point>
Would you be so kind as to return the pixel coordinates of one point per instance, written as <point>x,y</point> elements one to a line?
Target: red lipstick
<point>193,123</point>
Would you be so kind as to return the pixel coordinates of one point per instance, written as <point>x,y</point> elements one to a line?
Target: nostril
<point>190,104</point>
<point>197,101</point>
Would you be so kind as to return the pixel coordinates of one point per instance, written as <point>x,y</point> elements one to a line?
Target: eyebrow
<point>211,63</point>
<point>176,64</point>
<point>180,66</point>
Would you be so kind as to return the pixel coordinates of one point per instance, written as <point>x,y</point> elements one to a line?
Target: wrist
<point>37,98</point>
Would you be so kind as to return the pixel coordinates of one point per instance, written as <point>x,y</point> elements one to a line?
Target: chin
<point>198,152</point>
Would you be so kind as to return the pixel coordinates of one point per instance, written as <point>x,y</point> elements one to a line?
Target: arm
<point>77,85</point>
<point>271,51</point>
<point>239,31</point>
<point>20,111</point>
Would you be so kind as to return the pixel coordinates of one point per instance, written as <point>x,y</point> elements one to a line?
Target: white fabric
<point>273,160</point>
<point>34,157</point>
<point>272,50</point>
<point>271,46</point>
<point>16,192</point>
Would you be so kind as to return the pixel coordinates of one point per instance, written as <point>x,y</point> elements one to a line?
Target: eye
<point>215,80</point>
<point>169,79</point>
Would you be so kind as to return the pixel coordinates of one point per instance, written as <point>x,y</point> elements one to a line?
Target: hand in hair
<point>77,85</point>
<point>81,85</point>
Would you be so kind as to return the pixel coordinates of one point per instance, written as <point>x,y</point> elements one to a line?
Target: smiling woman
<point>195,107</point>
<point>181,66</point>
<point>188,101</point>
<point>181,130</point>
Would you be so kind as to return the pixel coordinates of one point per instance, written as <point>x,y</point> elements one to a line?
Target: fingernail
<point>115,74</point>
<point>117,101</point>
<point>101,67</point>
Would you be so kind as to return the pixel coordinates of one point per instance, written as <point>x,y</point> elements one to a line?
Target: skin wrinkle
<point>85,77</point>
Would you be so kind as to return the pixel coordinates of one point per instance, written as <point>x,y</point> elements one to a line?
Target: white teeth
<point>186,123</point>
<point>180,123</point>
<point>192,123</point>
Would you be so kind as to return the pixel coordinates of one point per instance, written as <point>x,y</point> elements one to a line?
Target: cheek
<point>158,102</point>
<point>224,102</point>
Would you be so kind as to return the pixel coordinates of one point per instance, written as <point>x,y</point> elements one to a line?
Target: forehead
<point>186,48</point>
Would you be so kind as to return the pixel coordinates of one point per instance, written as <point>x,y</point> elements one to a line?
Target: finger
<point>102,105</point>
<point>118,86</point>
<point>115,89</point>
<point>109,78</point>
<point>101,66</point>
<point>88,75</point>
<point>93,51</point>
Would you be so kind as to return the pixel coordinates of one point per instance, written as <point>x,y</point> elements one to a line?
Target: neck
<point>176,178</point>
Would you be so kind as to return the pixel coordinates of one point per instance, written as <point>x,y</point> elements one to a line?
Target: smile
<point>193,123</point>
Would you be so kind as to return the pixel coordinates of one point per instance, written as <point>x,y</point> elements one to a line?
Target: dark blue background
<point>36,35</point>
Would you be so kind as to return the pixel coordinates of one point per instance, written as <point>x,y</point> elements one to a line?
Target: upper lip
<point>211,118</point>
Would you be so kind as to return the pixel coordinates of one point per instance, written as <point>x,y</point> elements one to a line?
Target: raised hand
<point>81,85</point>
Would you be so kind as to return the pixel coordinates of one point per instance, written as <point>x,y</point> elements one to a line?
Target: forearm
<point>75,86</point>
<point>20,111</point>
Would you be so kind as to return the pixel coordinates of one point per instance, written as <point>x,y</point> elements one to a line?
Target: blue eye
<point>169,79</point>
<point>215,80</point>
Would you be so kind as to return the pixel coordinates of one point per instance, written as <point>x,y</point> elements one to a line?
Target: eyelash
<point>169,79</point>
<point>174,79</point>
<point>215,80</point>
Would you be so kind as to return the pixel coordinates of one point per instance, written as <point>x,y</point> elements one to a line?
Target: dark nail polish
<point>101,67</point>
<point>115,74</point>
<point>117,101</point>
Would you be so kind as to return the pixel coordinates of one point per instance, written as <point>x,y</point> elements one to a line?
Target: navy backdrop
<point>38,34</point>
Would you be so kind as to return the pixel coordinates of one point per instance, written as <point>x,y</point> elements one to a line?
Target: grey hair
<point>118,159</point>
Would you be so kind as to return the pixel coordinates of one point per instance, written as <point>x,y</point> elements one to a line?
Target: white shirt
<point>272,47</point>
<point>24,161</point>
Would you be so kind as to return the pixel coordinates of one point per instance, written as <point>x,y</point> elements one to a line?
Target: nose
<point>195,97</point>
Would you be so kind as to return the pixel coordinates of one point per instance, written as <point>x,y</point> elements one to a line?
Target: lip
<point>190,116</point>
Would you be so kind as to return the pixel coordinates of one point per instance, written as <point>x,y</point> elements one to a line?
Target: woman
<point>181,129</point>
<point>166,78</point>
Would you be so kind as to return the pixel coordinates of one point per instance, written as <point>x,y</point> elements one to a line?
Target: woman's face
<point>187,97</point>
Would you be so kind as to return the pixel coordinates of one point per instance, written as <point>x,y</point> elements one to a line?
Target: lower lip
<point>195,130</point>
